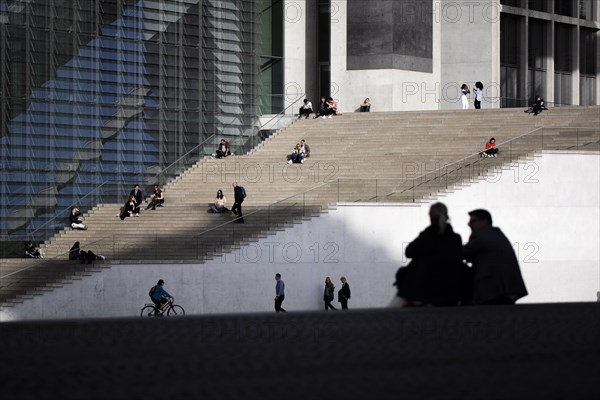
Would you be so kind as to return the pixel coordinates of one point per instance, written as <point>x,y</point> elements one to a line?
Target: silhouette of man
<point>497,276</point>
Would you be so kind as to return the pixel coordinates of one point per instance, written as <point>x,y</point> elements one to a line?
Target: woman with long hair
<point>218,206</point>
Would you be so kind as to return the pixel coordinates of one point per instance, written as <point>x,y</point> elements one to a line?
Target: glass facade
<point>97,95</point>
<point>551,41</point>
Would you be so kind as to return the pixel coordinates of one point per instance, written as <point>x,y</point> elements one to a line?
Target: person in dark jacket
<point>75,221</point>
<point>31,251</point>
<point>238,195</point>
<point>328,294</point>
<point>344,293</point>
<point>434,275</point>
<point>129,209</point>
<point>497,276</point>
<point>158,198</point>
<point>74,251</point>
<point>137,195</point>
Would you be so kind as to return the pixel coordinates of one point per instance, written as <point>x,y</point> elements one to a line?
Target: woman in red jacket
<point>490,149</point>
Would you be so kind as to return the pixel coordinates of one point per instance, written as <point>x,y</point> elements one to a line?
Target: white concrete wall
<point>549,208</point>
<point>388,89</point>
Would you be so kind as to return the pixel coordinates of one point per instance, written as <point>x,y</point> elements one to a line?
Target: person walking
<point>239,194</point>
<point>279,293</point>
<point>344,293</point>
<point>328,294</point>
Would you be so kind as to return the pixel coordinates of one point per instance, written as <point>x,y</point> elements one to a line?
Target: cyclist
<point>159,296</point>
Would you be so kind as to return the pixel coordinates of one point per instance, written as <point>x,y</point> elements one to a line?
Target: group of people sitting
<point>132,206</point>
<point>299,153</point>
<point>327,108</point>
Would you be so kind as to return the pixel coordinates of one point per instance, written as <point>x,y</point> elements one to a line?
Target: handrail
<point>59,214</point>
<point>476,154</point>
<point>330,189</point>
<point>156,177</point>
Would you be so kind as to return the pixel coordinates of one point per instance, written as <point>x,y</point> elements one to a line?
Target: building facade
<point>98,95</point>
<point>416,54</point>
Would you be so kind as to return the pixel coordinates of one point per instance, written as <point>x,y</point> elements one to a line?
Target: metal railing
<point>105,192</point>
<point>225,236</point>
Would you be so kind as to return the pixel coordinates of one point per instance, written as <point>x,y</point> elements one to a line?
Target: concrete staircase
<point>357,157</point>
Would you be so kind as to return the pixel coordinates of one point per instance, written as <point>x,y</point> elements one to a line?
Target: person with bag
<point>239,194</point>
<point>328,294</point>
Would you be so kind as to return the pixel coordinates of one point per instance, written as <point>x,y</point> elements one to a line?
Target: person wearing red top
<point>490,149</point>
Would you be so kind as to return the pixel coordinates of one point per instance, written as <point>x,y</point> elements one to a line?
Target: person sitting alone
<point>538,105</point>
<point>332,107</point>
<point>218,206</point>
<point>490,149</point>
<point>31,251</point>
<point>158,198</point>
<point>76,222</point>
<point>297,156</point>
<point>305,109</point>
<point>224,149</point>
<point>365,106</point>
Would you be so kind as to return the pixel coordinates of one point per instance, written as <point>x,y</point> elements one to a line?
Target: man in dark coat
<point>137,194</point>
<point>497,276</point>
<point>238,195</point>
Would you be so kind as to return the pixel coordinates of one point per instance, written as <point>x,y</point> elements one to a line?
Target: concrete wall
<point>470,50</point>
<point>388,89</point>
<point>549,208</point>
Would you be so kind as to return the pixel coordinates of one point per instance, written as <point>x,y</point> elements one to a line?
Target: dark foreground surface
<point>498,352</point>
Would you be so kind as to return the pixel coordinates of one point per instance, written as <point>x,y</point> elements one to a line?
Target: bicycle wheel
<point>148,311</point>
<point>175,311</point>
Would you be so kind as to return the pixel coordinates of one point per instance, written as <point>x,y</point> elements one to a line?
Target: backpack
<point>152,290</point>
<point>243,192</point>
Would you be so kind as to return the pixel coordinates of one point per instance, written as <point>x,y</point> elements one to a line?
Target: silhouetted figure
<point>74,251</point>
<point>31,251</point>
<point>433,276</point>
<point>497,276</point>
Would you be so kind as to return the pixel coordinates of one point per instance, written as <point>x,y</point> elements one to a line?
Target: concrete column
<point>524,60</point>
<point>495,25</point>
<point>575,77</point>
<point>549,96</point>
<point>294,53</point>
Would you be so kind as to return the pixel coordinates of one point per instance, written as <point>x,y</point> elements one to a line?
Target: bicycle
<point>175,310</point>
